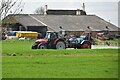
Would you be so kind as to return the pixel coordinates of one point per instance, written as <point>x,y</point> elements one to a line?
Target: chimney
<point>78,12</point>
<point>83,6</point>
<point>45,9</point>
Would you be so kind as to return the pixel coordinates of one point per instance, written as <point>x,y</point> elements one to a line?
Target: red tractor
<point>54,40</point>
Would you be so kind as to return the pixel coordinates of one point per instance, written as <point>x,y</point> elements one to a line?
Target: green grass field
<point>79,63</point>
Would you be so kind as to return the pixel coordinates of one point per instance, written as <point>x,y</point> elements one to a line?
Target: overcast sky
<point>106,9</point>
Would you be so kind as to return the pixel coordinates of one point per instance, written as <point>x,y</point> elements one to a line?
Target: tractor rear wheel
<point>42,46</point>
<point>60,45</point>
<point>86,45</point>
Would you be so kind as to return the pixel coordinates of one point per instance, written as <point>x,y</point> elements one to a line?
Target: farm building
<point>72,21</point>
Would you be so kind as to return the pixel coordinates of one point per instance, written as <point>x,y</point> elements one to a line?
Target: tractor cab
<point>51,35</point>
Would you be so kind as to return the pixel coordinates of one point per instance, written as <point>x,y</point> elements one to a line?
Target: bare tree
<point>39,10</point>
<point>7,5</point>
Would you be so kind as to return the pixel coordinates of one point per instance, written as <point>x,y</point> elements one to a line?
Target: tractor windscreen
<point>47,36</point>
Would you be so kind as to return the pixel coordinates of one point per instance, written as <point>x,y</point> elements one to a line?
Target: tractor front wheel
<point>42,46</point>
<point>60,45</point>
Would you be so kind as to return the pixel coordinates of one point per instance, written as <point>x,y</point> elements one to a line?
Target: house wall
<point>64,12</point>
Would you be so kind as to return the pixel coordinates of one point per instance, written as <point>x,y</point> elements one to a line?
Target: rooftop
<point>68,22</point>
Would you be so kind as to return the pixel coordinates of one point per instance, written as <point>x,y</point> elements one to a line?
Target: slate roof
<point>26,20</point>
<point>68,22</point>
<point>75,23</point>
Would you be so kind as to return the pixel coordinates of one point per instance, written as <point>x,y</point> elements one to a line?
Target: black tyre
<point>60,45</point>
<point>42,46</point>
<point>34,46</point>
<point>86,45</point>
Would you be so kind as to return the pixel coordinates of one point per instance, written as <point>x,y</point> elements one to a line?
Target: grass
<point>24,48</point>
<point>60,67</point>
<point>80,63</point>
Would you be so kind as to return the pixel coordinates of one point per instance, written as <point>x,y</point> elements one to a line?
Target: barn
<point>72,21</point>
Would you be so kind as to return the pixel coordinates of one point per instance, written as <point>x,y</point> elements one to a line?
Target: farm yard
<point>20,61</point>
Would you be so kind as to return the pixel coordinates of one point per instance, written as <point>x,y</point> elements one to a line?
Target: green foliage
<point>20,61</point>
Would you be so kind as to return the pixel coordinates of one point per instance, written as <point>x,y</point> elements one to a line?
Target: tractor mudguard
<point>40,44</point>
<point>56,40</point>
<point>84,41</point>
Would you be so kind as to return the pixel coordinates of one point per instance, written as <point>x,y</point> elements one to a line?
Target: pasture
<point>20,61</point>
